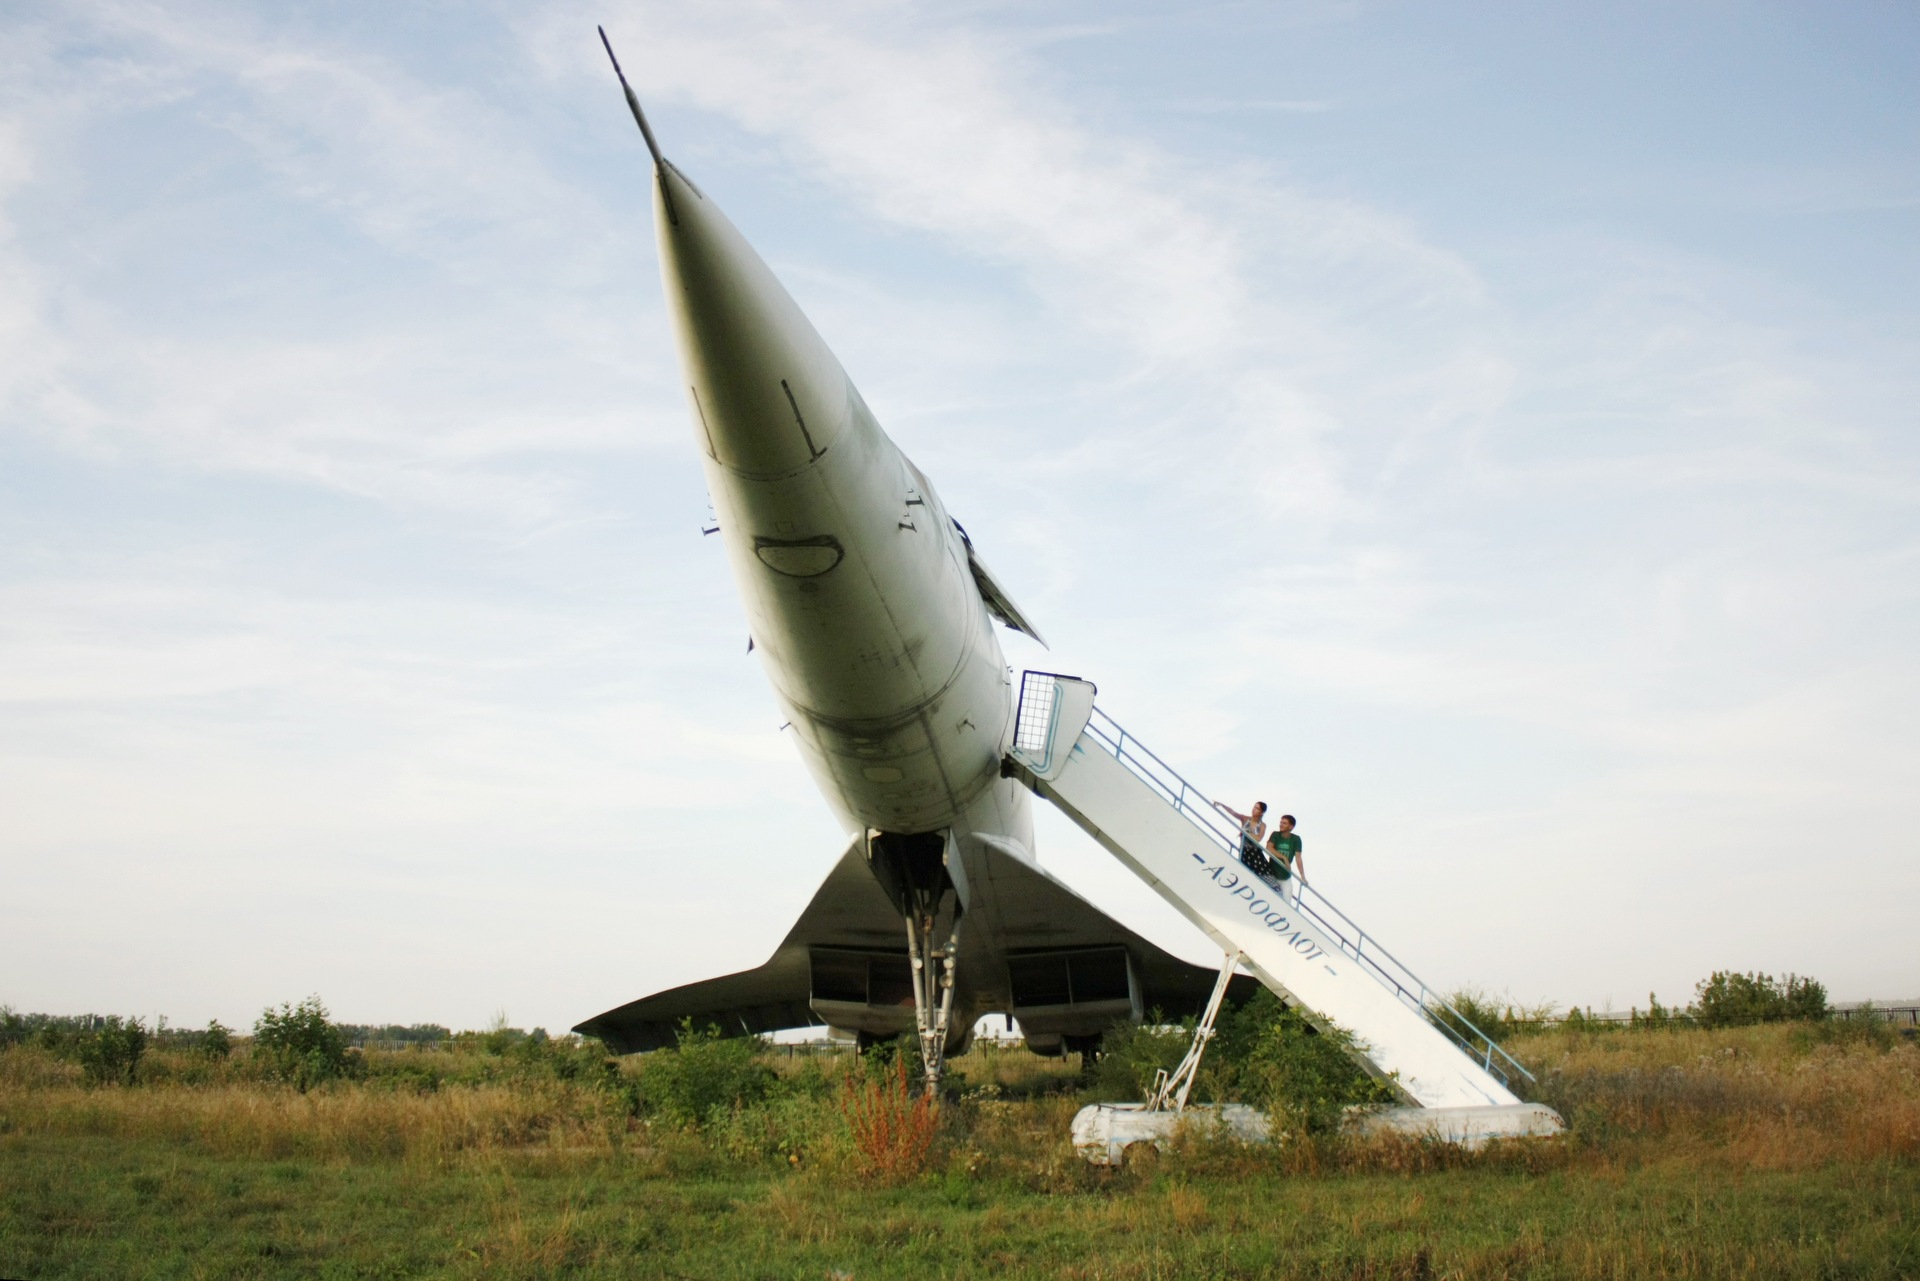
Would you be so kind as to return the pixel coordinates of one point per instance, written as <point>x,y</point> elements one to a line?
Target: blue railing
<point>1033,734</point>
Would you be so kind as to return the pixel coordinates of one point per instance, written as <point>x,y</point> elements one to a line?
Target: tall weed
<point>892,1129</point>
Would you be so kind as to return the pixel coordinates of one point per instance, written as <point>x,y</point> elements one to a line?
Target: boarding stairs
<point>1287,934</point>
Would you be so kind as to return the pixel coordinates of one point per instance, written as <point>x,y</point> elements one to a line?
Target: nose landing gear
<point>913,869</point>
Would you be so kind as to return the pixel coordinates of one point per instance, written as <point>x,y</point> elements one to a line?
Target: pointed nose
<point>768,395</point>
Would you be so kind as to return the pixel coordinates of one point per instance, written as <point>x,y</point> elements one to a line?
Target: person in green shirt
<point>1284,848</point>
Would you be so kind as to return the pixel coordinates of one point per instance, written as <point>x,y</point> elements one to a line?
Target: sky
<point>1490,432</point>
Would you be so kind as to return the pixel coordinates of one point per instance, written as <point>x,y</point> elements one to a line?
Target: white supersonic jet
<point>872,613</point>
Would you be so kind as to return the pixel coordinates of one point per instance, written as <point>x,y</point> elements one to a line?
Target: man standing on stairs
<point>1288,860</point>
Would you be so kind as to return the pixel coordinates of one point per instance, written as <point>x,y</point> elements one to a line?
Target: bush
<point>1865,1026</point>
<point>217,1041</point>
<point>1499,1019</point>
<point>1133,1054</point>
<point>703,1072</point>
<point>110,1054</point>
<point>1728,999</point>
<point>107,1049</point>
<point>1304,1076</point>
<point>300,1045</point>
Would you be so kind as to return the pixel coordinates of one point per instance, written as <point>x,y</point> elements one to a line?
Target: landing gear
<point>932,990</point>
<point>1088,1048</point>
<point>913,869</point>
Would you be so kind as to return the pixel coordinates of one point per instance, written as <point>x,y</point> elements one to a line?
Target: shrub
<point>893,1131</point>
<point>217,1041</point>
<point>300,1045</point>
<point>1497,1018</point>
<point>704,1071</point>
<point>791,1127</point>
<point>1133,1054</point>
<point>1864,1027</point>
<point>1728,999</point>
<point>112,1051</point>
<point>499,1038</point>
<point>1304,1076</point>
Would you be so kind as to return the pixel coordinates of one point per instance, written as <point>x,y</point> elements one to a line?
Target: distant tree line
<point>393,1035</point>
<point>107,1047</point>
<point>297,1042</point>
<point>1725,998</point>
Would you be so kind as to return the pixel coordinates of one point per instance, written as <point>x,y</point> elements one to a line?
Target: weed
<point>893,1130</point>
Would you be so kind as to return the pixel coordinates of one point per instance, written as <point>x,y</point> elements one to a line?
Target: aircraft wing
<point>850,913</point>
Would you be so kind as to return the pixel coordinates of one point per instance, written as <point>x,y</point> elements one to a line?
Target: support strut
<point>1170,1089</point>
<point>932,992</point>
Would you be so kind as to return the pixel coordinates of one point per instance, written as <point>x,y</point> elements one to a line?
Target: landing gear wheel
<point>1088,1048</point>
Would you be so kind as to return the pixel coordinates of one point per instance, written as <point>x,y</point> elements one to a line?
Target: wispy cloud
<point>461,389</point>
<point>1240,106</point>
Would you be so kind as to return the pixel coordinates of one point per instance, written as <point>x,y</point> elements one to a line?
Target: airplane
<point>872,613</point>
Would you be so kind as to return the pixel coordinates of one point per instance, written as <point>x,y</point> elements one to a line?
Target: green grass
<point>97,1208</point>
<point>1760,1152</point>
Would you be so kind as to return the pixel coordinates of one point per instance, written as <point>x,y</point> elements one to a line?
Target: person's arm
<point>1227,809</point>
<point>1300,861</point>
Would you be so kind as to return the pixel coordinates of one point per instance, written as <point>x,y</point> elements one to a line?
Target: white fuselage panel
<point>856,583</point>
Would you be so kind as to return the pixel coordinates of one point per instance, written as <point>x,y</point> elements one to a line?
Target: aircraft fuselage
<point>856,582</point>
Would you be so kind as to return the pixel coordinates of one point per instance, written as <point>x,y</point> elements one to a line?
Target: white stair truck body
<point>1290,937</point>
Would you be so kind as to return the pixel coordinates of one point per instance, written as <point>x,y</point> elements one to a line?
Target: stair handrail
<point>1205,814</point>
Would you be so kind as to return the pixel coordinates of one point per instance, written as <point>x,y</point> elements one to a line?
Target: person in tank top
<point>1253,827</point>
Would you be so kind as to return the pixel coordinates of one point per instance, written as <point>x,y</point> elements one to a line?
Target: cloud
<point>1205,296</point>
<point>1240,106</point>
<point>415,326</point>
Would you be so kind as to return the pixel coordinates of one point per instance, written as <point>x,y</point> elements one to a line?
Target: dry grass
<point>266,1123</point>
<point>1014,1071</point>
<point>1763,1098</point>
<point>237,1117</point>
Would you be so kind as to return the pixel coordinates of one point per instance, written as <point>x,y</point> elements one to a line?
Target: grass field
<point>1776,1151</point>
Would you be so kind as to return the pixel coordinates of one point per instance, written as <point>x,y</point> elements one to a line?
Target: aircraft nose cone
<point>768,394</point>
